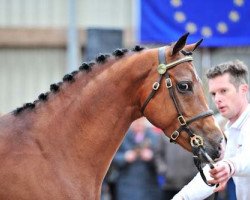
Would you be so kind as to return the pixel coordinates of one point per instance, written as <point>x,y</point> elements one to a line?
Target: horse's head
<point>177,103</point>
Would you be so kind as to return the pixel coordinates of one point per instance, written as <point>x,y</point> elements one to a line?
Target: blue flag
<point>219,22</point>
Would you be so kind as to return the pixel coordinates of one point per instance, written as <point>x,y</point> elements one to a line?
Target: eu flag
<point>219,22</point>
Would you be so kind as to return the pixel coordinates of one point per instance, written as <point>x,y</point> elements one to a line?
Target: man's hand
<point>146,154</point>
<point>220,174</point>
<point>130,156</point>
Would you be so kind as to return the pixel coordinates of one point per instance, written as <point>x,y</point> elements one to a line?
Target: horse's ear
<point>192,47</point>
<point>180,44</point>
<point>197,44</point>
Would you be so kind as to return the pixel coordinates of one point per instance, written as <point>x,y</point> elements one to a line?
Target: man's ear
<point>244,88</point>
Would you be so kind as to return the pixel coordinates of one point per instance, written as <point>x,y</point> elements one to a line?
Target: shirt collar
<point>240,121</point>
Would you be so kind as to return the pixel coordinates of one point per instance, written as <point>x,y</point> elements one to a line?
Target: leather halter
<point>195,140</point>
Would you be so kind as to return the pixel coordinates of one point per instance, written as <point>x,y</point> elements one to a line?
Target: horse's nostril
<point>217,154</point>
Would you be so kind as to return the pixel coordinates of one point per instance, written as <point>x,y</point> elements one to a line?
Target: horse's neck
<point>88,120</point>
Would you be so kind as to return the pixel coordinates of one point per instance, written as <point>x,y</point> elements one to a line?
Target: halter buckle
<point>168,83</point>
<point>156,85</point>
<point>174,135</point>
<point>161,68</point>
<point>181,120</point>
<point>196,141</point>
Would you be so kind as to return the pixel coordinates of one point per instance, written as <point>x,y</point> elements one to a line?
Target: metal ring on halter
<point>156,85</point>
<point>196,141</point>
<point>182,120</point>
<point>168,83</point>
<point>174,135</point>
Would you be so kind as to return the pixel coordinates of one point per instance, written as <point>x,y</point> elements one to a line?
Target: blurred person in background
<point>175,167</point>
<point>109,183</point>
<point>134,160</point>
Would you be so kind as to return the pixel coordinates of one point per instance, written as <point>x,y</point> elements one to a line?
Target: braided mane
<point>69,78</point>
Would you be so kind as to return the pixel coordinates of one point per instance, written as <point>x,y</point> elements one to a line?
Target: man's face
<point>226,97</point>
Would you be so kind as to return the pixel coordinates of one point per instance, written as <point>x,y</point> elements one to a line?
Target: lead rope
<point>198,165</point>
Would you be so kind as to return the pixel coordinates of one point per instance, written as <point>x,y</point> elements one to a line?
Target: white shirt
<point>238,152</point>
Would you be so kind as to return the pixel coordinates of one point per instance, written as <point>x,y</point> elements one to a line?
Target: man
<point>228,85</point>
<point>135,163</point>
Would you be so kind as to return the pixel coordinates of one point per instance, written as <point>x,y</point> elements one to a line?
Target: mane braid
<point>118,53</point>
<point>29,105</point>
<point>85,66</point>
<point>54,87</point>
<point>25,106</point>
<point>68,78</point>
<point>138,48</point>
<point>43,97</point>
<point>102,58</point>
<point>18,110</point>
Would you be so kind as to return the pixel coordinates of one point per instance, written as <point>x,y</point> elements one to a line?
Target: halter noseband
<point>196,141</point>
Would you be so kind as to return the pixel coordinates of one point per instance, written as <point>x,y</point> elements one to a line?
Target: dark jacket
<point>175,163</point>
<point>137,180</point>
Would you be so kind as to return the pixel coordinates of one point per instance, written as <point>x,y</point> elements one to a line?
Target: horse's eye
<point>185,86</point>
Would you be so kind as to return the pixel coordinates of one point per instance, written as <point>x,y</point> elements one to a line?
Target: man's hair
<point>237,70</point>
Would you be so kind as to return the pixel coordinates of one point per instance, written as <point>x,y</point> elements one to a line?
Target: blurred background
<point>41,40</point>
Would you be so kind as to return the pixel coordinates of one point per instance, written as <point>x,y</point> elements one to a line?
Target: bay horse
<point>60,146</point>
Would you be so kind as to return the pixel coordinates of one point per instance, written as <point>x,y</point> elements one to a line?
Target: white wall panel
<point>108,13</point>
<point>25,73</point>
<point>54,13</point>
<point>33,13</point>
